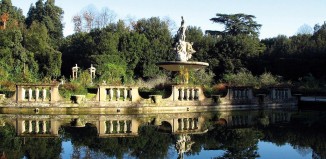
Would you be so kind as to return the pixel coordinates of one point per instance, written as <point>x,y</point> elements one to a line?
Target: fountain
<point>184,52</point>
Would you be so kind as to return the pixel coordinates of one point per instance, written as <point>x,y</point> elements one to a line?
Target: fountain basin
<point>177,65</point>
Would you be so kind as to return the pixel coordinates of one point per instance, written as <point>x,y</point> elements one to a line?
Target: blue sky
<point>277,16</point>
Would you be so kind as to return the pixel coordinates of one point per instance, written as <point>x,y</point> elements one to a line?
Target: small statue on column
<point>75,72</point>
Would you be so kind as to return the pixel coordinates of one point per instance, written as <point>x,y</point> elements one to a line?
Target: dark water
<point>232,134</point>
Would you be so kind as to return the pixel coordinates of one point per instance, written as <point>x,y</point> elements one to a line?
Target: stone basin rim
<point>169,65</point>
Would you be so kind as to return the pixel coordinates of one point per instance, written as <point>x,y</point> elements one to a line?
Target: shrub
<point>72,88</point>
<point>242,78</point>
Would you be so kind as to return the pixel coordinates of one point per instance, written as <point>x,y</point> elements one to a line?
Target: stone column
<point>111,126</point>
<point>37,126</point>
<point>190,123</point>
<point>192,93</point>
<point>30,94</point>
<point>196,96</point>
<point>181,94</point>
<point>130,126</point>
<point>55,96</point>
<point>102,93</point>
<point>187,93</point>
<point>23,126</point>
<point>118,126</point>
<point>271,94</point>
<point>30,126</point>
<point>193,123</point>
<point>44,127</point>
<point>43,94</point>
<point>125,126</point>
<point>182,124</point>
<point>111,93</point>
<point>37,94</point>
<point>186,123</point>
<point>175,93</point>
<point>23,94</point>
<point>289,92</point>
<point>125,94</point>
<point>250,95</point>
<point>118,94</point>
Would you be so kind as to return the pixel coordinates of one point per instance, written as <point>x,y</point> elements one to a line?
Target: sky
<point>278,17</point>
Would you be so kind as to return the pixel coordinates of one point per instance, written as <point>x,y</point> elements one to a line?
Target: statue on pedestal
<point>184,49</point>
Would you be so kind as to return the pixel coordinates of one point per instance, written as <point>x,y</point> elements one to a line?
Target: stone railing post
<point>20,93</point>
<point>102,93</point>
<point>125,93</point>
<point>43,94</point>
<point>37,94</point>
<point>30,94</point>
<point>55,96</point>
<point>110,94</point>
<point>118,94</point>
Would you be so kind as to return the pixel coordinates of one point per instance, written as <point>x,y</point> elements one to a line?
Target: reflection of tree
<point>305,130</point>
<point>238,143</point>
<point>242,143</point>
<point>149,143</point>
<point>42,147</point>
<point>10,146</point>
<point>14,147</point>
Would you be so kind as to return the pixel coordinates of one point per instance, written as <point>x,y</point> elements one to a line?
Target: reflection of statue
<point>183,144</point>
<point>184,49</point>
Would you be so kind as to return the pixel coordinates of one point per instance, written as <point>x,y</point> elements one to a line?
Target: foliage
<point>246,78</point>
<point>242,78</point>
<point>201,77</point>
<point>114,73</point>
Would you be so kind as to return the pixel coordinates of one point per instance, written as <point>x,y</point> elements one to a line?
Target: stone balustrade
<point>187,124</point>
<point>117,93</point>
<point>280,93</point>
<point>239,93</point>
<point>37,92</point>
<point>35,126</point>
<point>187,93</point>
<point>241,120</point>
<point>118,126</point>
<point>280,117</point>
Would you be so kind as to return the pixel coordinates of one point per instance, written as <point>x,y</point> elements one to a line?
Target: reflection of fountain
<point>183,144</point>
<point>184,52</point>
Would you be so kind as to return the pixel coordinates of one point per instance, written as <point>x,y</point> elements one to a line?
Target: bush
<point>72,88</point>
<point>242,78</point>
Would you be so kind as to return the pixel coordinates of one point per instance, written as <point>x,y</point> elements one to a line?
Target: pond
<point>224,134</point>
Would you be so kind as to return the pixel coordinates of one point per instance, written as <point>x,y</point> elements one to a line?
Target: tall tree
<point>235,24</point>
<point>157,32</point>
<point>37,41</point>
<point>50,15</point>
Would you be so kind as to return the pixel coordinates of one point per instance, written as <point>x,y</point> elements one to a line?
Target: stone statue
<point>182,30</point>
<point>184,49</point>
